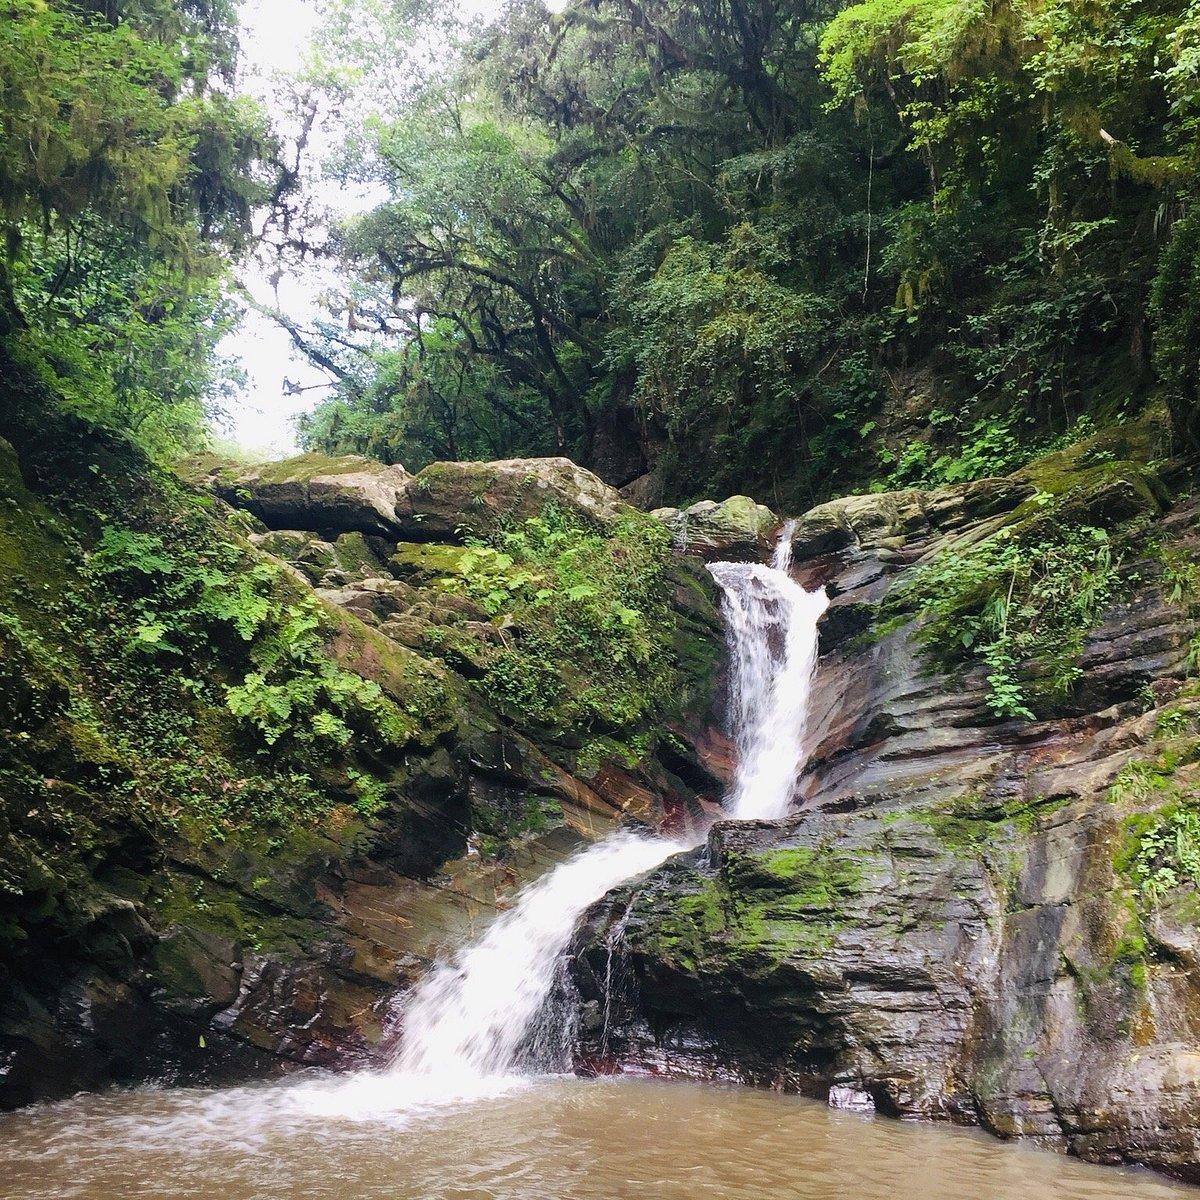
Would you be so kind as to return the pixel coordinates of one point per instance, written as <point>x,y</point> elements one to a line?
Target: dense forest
<point>748,246</point>
<point>776,247</point>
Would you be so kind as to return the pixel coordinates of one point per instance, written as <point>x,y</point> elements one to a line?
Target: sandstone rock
<point>736,528</point>
<point>329,495</point>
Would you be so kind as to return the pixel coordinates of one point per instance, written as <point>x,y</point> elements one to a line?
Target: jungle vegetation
<point>767,246</point>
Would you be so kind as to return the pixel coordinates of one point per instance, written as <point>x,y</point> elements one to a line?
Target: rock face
<point>736,529</point>
<point>952,925</point>
<point>937,967</point>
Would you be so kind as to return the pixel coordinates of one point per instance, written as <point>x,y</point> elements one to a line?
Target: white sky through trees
<point>275,37</point>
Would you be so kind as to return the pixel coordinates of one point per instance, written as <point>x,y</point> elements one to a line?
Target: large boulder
<point>962,962</point>
<point>347,494</point>
<point>737,528</point>
<point>445,501</point>
<point>449,499</point>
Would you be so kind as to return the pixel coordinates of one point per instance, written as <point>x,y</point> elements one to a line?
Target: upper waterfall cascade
<point>489,1012</point>
<point>771,626</point>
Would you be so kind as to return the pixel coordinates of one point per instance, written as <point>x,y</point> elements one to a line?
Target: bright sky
<point>274,33</point>
<point>274,36</point>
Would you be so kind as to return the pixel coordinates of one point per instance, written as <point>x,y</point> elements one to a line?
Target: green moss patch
<point>761,910</point>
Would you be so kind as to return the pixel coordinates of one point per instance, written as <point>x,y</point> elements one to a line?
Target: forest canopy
<point>727,241</point>
<point>705,246</point>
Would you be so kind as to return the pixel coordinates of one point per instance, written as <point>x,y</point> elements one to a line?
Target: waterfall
<point>484,1013</point>
<point>489,1014</point>
<point>771,628</point>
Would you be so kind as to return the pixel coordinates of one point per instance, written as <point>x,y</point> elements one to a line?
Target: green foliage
<point>428,401</point>
<point>1021,606</point>
<point>585,620</point>
<point>1175,301</point>
<point>499,826</point>
<point>716,333</point>
<point>989,447</point>
<point>729,249</point>
<point>134,347</point>
<point>180,597</point>
<point>1163,852</point>
<point>126,174</point>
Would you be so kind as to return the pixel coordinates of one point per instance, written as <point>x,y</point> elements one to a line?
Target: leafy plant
<point>1167,853</point>
<point>1021,607</point>
<point>179,600</point>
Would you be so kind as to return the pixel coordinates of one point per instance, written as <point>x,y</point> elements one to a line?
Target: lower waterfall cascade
<point>489,1014</point>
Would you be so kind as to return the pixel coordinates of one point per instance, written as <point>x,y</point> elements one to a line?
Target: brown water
<point>556,1139</point>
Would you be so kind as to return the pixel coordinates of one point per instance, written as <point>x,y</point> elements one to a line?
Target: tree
<point>126,177</point>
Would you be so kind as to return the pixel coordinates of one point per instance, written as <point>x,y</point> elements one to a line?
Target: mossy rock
<point>426,564</point>
<point>349,558</point>
<point>327,495</point>
<point>450,500</point>
<point>735,528</point>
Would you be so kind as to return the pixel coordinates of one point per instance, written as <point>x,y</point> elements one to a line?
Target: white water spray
<point>488,1015</point>
<point>771,626</point>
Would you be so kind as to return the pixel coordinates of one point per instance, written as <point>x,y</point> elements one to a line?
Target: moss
<point>1140,780</point>
<point>817,878</point>
<point>971,824</point>
<point>353,554</point>
<point>428,564</point>
<point>602,749</point>
<point>499,825</point>
<point>305,467</point>
<point>425,693</point>
<point>763,909</point>
<point>1114,976</point>
<point>38,549</point>
<point>602,637</point>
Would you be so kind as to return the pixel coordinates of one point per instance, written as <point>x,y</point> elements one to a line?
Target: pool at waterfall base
<point>389,1137</point>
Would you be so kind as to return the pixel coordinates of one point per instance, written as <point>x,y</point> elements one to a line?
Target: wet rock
<point>194,972</point>
<point>940,969</point>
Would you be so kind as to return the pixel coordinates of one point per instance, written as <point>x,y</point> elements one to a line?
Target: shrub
<point>1022,608</point>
